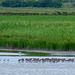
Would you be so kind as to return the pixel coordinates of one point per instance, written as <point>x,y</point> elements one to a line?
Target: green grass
<point>38,32</point>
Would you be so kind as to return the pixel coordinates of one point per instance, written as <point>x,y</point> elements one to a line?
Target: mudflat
<point>13,67</point>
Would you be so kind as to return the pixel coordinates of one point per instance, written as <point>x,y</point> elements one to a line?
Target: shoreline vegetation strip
<point>37,11</point>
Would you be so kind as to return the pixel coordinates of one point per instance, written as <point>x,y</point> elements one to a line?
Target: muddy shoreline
<point>52,52</point>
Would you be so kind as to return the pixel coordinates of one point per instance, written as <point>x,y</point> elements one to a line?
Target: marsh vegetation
<point>37,32</point>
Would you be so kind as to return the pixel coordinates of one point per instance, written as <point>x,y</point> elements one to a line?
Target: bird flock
<point>43,60</point>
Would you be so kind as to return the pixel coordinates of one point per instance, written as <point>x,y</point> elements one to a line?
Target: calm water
<point>7,53</point>
<point>9,65</point>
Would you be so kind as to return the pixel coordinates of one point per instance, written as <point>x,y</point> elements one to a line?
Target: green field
<point>38,32</point>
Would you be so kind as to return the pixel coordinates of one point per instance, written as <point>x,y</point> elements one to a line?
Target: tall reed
<point>40,32</point>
